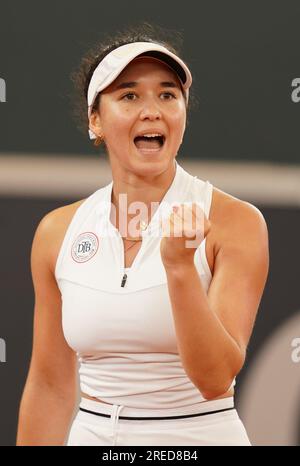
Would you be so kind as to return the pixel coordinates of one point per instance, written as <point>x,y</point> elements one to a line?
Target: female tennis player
<point>150,286</point>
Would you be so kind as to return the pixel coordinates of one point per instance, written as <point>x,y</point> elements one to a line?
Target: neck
<point>129,188</point>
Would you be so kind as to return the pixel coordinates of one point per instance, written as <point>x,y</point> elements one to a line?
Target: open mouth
<point>149,143</point>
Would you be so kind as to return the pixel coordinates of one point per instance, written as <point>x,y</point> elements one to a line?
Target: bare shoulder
<point>233,219</point>
<point>52,229</point>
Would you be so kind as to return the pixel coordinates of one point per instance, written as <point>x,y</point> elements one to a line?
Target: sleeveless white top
<point>119,321</point>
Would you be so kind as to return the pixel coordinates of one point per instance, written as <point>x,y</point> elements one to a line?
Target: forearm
<point>44,416</point>
<point>209,354</point>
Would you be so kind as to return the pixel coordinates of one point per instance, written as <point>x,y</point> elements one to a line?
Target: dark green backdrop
<point>244,56</point>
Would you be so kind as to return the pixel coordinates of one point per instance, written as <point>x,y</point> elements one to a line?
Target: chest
<point>98,322</point>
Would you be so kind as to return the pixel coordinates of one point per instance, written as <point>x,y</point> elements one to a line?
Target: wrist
<point>179,268</point>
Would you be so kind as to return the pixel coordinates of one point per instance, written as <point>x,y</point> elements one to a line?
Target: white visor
<point>114,62</point>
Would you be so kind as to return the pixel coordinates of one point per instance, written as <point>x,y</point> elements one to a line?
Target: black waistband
<point>157,418</point>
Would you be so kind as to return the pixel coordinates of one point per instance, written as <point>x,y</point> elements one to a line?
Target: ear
<point>95,123</point>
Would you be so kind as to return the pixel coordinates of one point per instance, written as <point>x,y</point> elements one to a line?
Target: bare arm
<point>49,396</point>
<point>213,329</point>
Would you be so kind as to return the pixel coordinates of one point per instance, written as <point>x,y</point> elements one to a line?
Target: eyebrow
<point>131,84</point>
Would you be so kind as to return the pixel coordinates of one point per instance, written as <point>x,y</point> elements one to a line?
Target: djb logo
<point>85,247</point>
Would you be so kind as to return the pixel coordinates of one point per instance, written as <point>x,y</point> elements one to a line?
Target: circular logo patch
<point>85,247</point>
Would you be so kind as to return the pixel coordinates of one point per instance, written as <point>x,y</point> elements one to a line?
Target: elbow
<point>215,392</point>
<point>213,389</point>
<point>218,380</point>
<point>215,386</point>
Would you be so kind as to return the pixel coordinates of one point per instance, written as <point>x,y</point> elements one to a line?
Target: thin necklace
<point>143,226</point>
<point>132,239</point>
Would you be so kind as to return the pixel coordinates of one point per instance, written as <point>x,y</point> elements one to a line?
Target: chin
<point>151,165</point>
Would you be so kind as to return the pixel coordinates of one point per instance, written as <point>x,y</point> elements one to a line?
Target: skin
<point>236,249</point>
<point>125,112</point>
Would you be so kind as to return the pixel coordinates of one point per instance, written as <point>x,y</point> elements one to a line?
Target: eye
<point>170,94</point>
<point>132,95</point>
<point>128,96</point>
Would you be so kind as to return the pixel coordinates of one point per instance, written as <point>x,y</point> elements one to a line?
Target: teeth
<point>153,135</point>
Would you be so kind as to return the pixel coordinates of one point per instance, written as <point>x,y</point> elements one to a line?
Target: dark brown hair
<point>143,32</point>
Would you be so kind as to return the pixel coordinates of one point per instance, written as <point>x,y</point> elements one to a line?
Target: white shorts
<point>102,424</point>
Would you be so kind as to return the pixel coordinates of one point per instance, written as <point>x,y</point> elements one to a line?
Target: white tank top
<point>119,321</point>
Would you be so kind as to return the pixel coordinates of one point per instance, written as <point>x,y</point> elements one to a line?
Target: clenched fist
<point>182,232</point>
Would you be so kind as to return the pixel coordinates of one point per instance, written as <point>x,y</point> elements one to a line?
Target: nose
<point>150,111</point>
